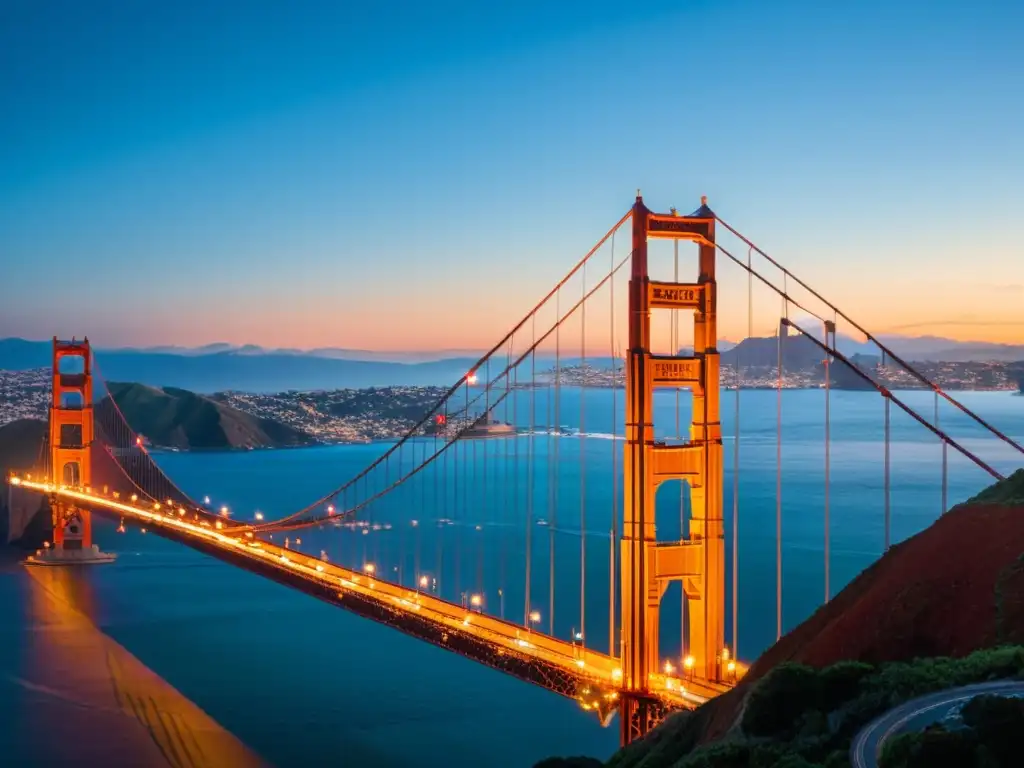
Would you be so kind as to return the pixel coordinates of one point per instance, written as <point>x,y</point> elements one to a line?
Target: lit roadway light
<point>476,601</point>
<point>225,511</point>
<point>330,509</point>
<point>669,669</point>
<point>489,629</point>
<point>206,501</point>
<point>471,378</point>
<point>424,581</point>
<point>258,515</point>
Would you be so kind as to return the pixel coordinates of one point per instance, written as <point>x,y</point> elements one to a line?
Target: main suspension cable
<point>871,337</point>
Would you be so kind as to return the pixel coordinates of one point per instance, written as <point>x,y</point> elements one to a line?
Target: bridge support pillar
<point>70,444</point>
<point>698,560</point>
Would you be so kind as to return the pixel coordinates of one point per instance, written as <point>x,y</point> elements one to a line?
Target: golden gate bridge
<point>94,462</point>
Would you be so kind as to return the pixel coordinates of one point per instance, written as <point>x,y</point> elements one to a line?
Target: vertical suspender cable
<point>612,537</point>
<point>509,491</point>
<point>515,455</point>
<point>738,382</point>
<point>529,466</point>
<point>486,499</point>
<point>583,462</point>
<point>778,479</point>
<point>888,506</point>
<point>830,340</point>
<point>944,457</point>
<point>554,438</point>
<point>442,522</point>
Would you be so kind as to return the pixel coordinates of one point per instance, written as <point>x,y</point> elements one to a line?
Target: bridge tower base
<point>70,444</point>
<point>697,560</point>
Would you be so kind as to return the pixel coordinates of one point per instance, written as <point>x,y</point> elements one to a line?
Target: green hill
<point>177,418</point>
<point>20,443</point>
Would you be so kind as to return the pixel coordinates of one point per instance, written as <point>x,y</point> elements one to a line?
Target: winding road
<point>919,713</point>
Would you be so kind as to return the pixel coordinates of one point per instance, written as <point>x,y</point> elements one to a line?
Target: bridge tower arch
<point>698,560</point>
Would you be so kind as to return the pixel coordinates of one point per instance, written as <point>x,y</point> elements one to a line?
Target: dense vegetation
<point>800,717</point>
<point>990,735</point>
<point>1008,491</point>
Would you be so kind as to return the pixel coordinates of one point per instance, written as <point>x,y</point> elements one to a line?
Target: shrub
<point>777,702</point>
<point>840,683</point>
<point>932,748</point>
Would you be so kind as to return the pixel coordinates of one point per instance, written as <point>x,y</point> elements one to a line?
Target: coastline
<point>156,449</point>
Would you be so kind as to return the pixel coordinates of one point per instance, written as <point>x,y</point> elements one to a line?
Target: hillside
<point>20,444</point>
<point>177,418</point>
<point>954,588</point>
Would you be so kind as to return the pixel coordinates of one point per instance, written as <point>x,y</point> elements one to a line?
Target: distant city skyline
<point>406,178</point>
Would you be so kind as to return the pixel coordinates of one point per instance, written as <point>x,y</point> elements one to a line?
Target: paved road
<point>919,713</point>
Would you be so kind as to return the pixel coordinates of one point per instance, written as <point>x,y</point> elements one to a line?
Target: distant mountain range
<point>220,367</point>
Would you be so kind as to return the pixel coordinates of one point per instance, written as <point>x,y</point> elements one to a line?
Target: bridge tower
<point>71,439</point>
<point>698,560</point>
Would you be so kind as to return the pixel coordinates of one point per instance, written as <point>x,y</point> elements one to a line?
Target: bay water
<point>303,682</point>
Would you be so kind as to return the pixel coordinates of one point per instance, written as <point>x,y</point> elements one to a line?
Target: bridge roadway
<point>594,679</point>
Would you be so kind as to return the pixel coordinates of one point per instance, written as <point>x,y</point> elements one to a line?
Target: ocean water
<point>303,682</point>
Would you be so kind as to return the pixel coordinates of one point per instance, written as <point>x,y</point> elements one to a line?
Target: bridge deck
<point>595,679</point>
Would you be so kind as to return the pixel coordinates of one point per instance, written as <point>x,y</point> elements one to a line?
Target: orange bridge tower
<point>70,443</point>
<point>698,560</point>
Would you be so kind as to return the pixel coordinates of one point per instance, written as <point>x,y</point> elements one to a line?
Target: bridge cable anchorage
<point>292,524</point>
<point>835,353</point>
<point>277,524</point>
<point>869,336</point>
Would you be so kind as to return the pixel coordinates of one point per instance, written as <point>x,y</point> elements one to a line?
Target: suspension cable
<point>279,526</point>
<point>529,470</point>
<point>583,463</point>
<point>613,536</point>
<point>830,338</point>
<point>871,337</point>
<point>455,387</point>
<point>887,471</point>
<point>899,403</point>
<point>778,484</point>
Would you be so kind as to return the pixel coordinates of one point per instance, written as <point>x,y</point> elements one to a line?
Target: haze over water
<point>299,680</point>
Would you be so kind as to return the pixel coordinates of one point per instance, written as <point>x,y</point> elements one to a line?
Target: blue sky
<point>314,174</point>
